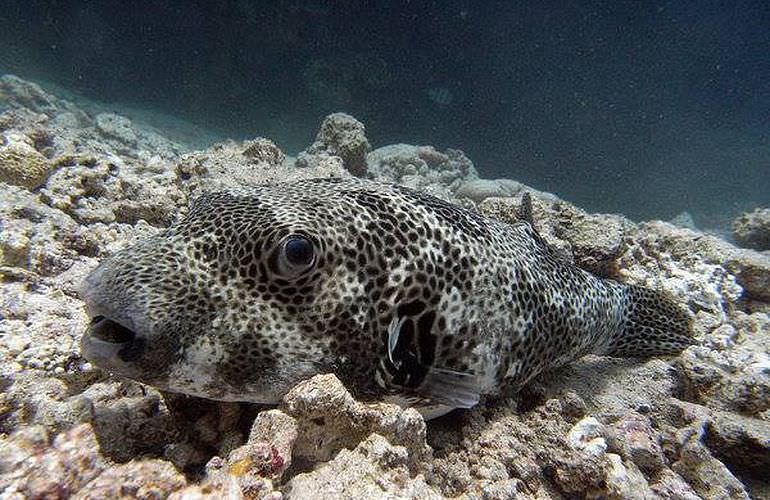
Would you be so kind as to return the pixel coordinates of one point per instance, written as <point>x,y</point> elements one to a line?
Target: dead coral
<point>752,229</point>
<point>694,426</point>
<point>340,135</point>
<point>263,150</point>
<point>22,165</point>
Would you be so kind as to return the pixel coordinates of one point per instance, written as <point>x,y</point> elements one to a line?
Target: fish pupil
<point>299,251</point>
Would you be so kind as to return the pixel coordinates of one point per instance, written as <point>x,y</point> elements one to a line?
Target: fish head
<point>235,301</point>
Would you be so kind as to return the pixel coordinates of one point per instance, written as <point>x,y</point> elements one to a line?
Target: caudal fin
<point>654,326</point>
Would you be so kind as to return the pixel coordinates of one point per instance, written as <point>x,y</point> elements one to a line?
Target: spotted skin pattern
<point>406,294</point>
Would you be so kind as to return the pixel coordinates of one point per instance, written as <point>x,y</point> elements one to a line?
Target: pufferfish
<point>401,295</point>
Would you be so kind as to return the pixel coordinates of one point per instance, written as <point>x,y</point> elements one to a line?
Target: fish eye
<point>299,251</point>
<point>296,254</point>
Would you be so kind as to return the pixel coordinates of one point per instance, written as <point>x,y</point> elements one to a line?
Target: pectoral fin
<point>451,388</point>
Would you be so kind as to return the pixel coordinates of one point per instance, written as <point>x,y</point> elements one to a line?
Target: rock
<point>320,421</point>
<point>225,487</point>
<point>40,239</point>
<point>116,127</point>
<point>17,448</point>
<point>48,406</point>
<point>669,484</point>
<point>480,189</point>
<point>268,451</point>
<point>544,208</point>
<point>575,476</point>
<point>752,229</point>
<point>21,164</point>
<point>46,344</point>
<point>250,469</point>
<point>219,483</point>
<point>232,165</point>
<point>344,136</point>
<point>752,272</point>
<point>374,469</point>
<point>329,419</point>
<point>735,379</point>
<point>750,268</point>
<point>709,477</point>
<point>634,439</point>
<point>586,436</point>
<point>60,128</point>
<point>534,447</point>
<point>250,463</point>
<point>741,442</point>
<point>59,471</point>
<point>573,407</point>
<point>19,93</point>
<point>502,490</point>
<point>597,240</point>
<point>129,419</point>
<point>136,479</point>
<point>593,241</point>
<point>685,220</point>
<point>93,190</point>
<point>263,150</point>
<point>622,481</point>
<point>421,167</point>
<point>687,264</point>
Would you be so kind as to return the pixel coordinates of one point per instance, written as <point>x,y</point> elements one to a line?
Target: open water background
<point>645,108</point>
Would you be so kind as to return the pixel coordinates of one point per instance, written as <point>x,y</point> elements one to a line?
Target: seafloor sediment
<point>76,185</point>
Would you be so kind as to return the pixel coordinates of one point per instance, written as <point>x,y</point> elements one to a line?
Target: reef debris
<point>688,427</point>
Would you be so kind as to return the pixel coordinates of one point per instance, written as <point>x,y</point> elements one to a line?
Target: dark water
<point>646,108</point>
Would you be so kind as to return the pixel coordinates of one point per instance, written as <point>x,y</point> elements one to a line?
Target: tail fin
<point>655,325</point>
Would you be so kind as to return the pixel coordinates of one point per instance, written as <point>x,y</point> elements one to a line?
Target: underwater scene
<point>410,249</point>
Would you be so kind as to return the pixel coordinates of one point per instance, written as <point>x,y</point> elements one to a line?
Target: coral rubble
<point>342,136</point>
<point>752,229</point>
<point>77,186</point>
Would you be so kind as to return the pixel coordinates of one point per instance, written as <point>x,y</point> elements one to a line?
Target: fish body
<point>400,294</point>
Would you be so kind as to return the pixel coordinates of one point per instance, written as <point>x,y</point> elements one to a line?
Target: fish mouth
<point>108,343</point>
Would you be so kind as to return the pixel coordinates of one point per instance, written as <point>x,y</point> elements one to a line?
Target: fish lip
<point>110,331</point>
<point>113,339</point>
<point>110,344</point>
